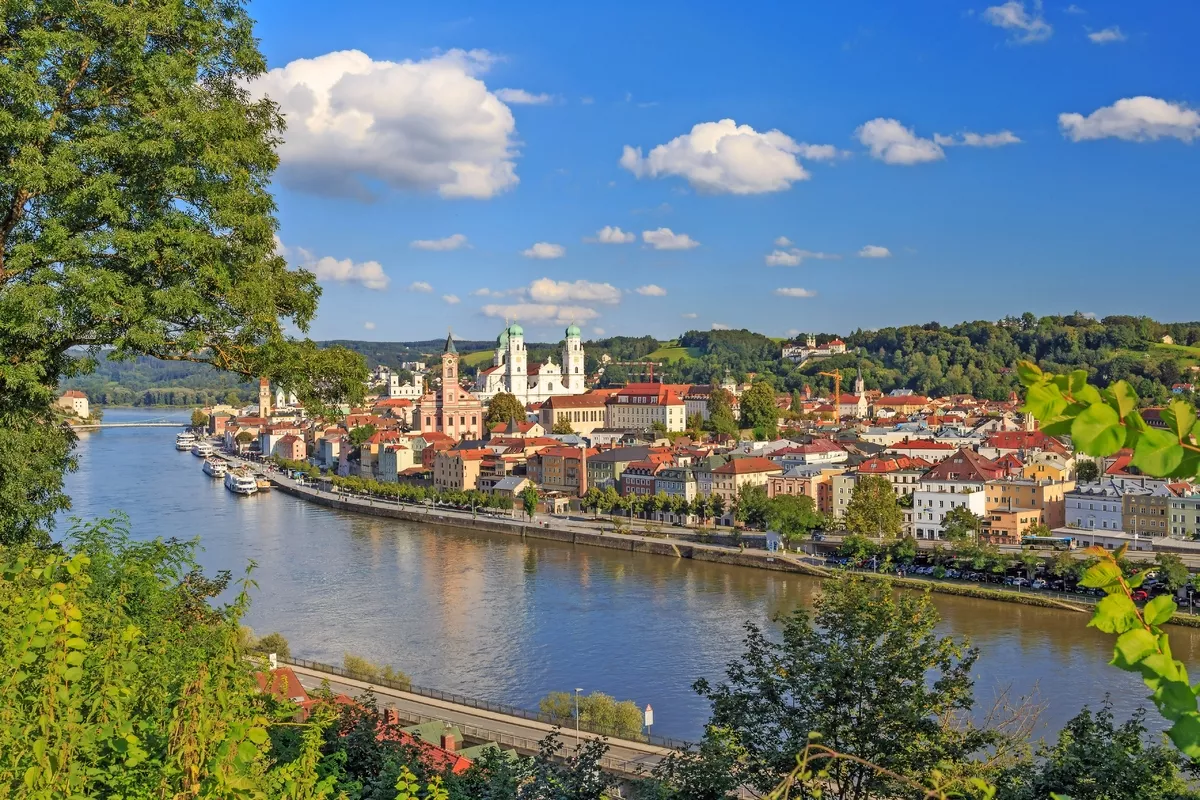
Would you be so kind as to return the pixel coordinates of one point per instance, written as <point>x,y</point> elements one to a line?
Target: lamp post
<point>577,691</point>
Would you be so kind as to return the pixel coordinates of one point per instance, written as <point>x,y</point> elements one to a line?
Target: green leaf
<point>1098,431</point>
<point>258,735</point>
<point>1159,610</point>
<point>247,751</point>
<point>1028,372</point>
<point>1157,453</point>
<point>73,674</point>
<point>1116,613</point>
<point>1101,575</point>
<point>1123,398</point>
<point>1132,646</point>
<point>1175,699</point>
<point>1185,734</point>
<point>1044,401</point>
<point>1180,417</point>
<point>1057,426</point>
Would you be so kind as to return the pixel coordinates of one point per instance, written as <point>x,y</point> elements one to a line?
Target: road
<point>624,756</point>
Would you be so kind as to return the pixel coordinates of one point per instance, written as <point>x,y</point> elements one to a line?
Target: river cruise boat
<point>184,441</point>
<point>202,450</point>
<point>240,482</point>
<point>215,467</point>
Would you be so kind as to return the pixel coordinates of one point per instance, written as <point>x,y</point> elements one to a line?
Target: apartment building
<point>959,481</point>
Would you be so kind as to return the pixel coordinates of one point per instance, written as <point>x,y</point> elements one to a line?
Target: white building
<point>1094,506</point>
<point>794,352</point>
<point>956,482</point>
<point>532,383</point>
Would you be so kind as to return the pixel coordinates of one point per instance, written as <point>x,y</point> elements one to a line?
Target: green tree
<point>759,411</point>
<point>857,547</point>
<point>1065,565</point>
<point>1172,572</point>
<point>275,643</point>
<point>1086,471</point>
<point>659,427</point>
<point>562,426</point>
<point>597,711</point>
<point>872,510</point>
<point>199,419</point>
<point>135,214</point>
<point>720,412</point>
<point>905,550</point>
<point>529,501</point>
<point>232,398</point>
<point>752,506</point>
<point>504,408</point>
<point>960,524</point>
<point>360,434</point>
<point>244,438</point>
<point>837,672</point>
<point>1030,561</point>
<point>363,669</point>
<point>793,516</point>
<point>716,505</point>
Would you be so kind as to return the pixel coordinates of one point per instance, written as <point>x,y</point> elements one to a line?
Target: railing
<point>483,705</point>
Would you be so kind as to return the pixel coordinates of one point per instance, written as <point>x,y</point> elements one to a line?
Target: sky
<point>652,168</point>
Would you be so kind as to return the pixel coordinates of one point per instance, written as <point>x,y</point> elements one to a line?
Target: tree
<point>752,506</point>
<point>872,510</point>
<point>1172,572</point>
<point>716,505</point>
<point>199,419</point>
<point>1030,561</point>
<point>1065,565</point>
<point>659,427</point>
<point>860,673</point>
<point>1096,759</point>
<point>244,438</point>
<point>720,412</point>
<point>597,711</point>
<point>960,524</point>
<point>905,550</point>
<point>504,408</point>
<point>562,427</point>
<point>857,547</point>
<point>363,669</point>
<point>695,424</point>
<point>529,501</point>
<point>275,643</point>
<point>1086,471</point>
<point>759,411</point>
<point>232,398</point>
<point>360,434</point>
<point>135,214</point>
<point>793,516</point>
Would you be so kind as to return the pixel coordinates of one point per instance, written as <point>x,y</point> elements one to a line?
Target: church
<point>532,383</point>
<point>450,410</point>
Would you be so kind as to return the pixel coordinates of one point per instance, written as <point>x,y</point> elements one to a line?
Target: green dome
<point>515,330</point>
<point>502,339</point>
<point>573,330</point>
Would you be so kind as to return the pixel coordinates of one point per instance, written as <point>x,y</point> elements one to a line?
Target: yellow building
<point>458,469</point>
<point>1043,497</point>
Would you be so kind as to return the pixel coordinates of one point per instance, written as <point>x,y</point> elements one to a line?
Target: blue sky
<point>930,132</point>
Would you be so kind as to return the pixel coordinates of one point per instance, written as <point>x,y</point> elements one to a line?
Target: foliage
<point>597,712</point>
<point>1172,572</point>
<point>529,501</point>
<point>504,408</point>
<point>720,412</point>
<point>1087,472</point>
<point>309,471</point>
<point>857,547</point>
<point>135,214</point>
<point>275,643</point>
<point>759,411</point>
<point>562,427</point>
<point>1065,565</point>
<point>857,671</point>
<point>960,524</point>
<point>752,506</point>
<point>360,434</point>
<point>872,510</point>
<point>199,419</point>
<point>410,493</point>
<point>363,669</point>
<point>793,516</point>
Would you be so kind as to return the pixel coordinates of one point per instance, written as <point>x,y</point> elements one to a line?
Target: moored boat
<point>215,467</point>
<point>240,482</point>
<point>184,441</point>
<point>202,450</point>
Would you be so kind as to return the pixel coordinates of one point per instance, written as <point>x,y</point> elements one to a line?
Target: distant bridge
<point>149,423</point>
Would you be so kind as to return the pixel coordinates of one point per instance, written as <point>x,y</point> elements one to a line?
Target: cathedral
<point>532,383</point>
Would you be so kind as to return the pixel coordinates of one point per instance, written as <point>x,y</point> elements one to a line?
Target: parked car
<point>1038,583</point>
<point>1140,595</point>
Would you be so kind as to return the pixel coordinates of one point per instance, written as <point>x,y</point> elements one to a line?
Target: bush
<point>365,670</point>
<point>598,712</point>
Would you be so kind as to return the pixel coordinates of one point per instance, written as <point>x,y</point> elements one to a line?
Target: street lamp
<point>577,691</point>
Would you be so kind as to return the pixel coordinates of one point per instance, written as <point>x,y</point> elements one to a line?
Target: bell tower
<point>450,388</point>
<point>264,397</point>
<point>572,361</point>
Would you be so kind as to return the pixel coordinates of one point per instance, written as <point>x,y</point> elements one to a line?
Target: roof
<point>879,466</point>
<point>511,483</point>
<point>1024,440</point>
<point>643,467</point>
<point>564,452</point>
<point>589,400</point>
<point>450,348</point>
<point>920,444</point>
<point>75,393</point>
<point>468,455</point>
<point>503,427</point>
<point>290,438</point>
<point>282,683</point>
<point>393,402</point>
<point>748,466</point>
<point>965,465</point>
<point>903,400</point>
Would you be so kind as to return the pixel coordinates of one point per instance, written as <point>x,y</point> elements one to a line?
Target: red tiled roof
<point>878,466</point>
<point>921,444</point>
<point>1025,440</point>
<point>502,427</point>
<point>748,466</point>
<point>589,400</point>
<point>74,393</point>
<point>903,400</point>
<point>561,451</point>
<point>965,465</point>
<point>393,402</point>
<point>282,683</point>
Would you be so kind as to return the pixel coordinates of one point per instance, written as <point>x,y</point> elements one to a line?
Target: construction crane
<point>837,394</point>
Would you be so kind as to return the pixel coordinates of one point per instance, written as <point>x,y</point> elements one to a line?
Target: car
<point>1139,595</point>
<point>1038,584</point>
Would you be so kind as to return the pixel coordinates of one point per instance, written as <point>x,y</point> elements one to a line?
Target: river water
<point>493,617</point>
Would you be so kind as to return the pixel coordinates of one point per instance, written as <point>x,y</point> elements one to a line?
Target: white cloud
<point>689,315</point>
<point>1024,26</point>
<point>369,273</point>
<point>369,325</point>
<point>1135,119</point>
<point>1074,9</point>
<point>651,290</point>
<point>354,122</point>
<point>795,292</point>
<point>874,251</point>
<point>521,97</point>
<point>419,286</point>
<point>792,333</point>
<point>892,143</point>
<point>720,326</point>
<point>598,331</point>
<point>611,234</point>
<point>794,256</point>
<point>1108,35</point>
<point>540,313</point>
<point>451,299</point>
<point>783,241</point>
<point>544,250</point>
<point>453,242</point>
<point>546,290</point>
<point>666,239</point>
<point>819,152</point>
<point>724,157</point>
<point>968,139</point>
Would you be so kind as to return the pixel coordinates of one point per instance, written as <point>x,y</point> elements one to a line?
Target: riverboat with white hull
<point>215,467</point>
<point>184,441</point>
<point>240,482</point>
<point>202,450</point>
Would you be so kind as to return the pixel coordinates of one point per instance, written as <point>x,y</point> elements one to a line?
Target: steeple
<point>450,344</point>
<point>859,386</point>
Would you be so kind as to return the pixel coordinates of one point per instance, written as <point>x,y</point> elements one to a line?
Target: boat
<point>184,441</point>
<point>263,484</point>
<point>240,482</point>
<point>202,450</point>
<point>215,467</point>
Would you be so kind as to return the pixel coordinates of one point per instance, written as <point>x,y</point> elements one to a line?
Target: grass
<point>674,353</point>
<point>480,358</point>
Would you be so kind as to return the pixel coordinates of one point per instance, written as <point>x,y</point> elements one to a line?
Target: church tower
<point>812,342</point>
<point>264,397</point>
<point>515,370</point>
<point>450,387</point>
<point>860,388</point>
<point>574,376</point>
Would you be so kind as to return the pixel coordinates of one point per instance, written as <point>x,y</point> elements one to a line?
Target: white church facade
<point>532,383</point>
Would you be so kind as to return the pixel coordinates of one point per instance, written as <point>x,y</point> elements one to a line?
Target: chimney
<point>448,742</point>
<point>583,479</point>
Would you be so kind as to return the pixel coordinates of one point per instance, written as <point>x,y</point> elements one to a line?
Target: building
<point>561,469</point>
<point>510,487</point>
<point>806,481</point>
<point>1110,540</point>
<point>74,402</point>
<point>1044,500</point>
<point>1185,517</point>
<point>731,478</point>
<point>677,481</point>
<point>816,452</point>
<point>532,383</point>
<point>291,447</point>
<point>926,449</point>
<point>518,429</point>
<point>899,406</point>
<point>451,410</point>
<point>604,469</point>
<point>639,478</point>
<point>394,459</point>
<point>1147,514</point>
<point>639,406</point>
<point>902,472</point>
<point>1094,506</point>
<point>585,412</point>
<point>458,469</point>
<point>801,353</point>
<point>958,481</point>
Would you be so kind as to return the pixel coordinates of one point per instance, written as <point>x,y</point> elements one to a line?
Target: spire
<point>450,343</point>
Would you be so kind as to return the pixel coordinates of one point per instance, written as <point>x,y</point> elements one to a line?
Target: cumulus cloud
<point>689,315</point>
<point>1074,9</point>
<point>651,290</point>
<point>1135,119</point>
<point>792,333</point>
<point>544,250</point>
<point>451,299</point>
<point>724,157</point>
<point>419,286</point>
<point>794,291</point>
<point>328,269</point>
<point>354,122</point>
<point>783,241</point>
<point>793,257</point>
<point>666,239</point>
<point>521,97</point>
<point>547,290</point>
<point>1024,25</point>
<point>874,251</point>
<point>611,234</point>
<point>453,242</point>
<point>720,326</point>
<point>968,139</point>
<point>369,325</point>
<point>598,331</point>
<point>892,143</point>
<point>818,152</point>
<point>1108,35</point>
<point>540,313</point>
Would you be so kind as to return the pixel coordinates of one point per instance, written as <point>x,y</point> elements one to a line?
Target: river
<point>493,617</point>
